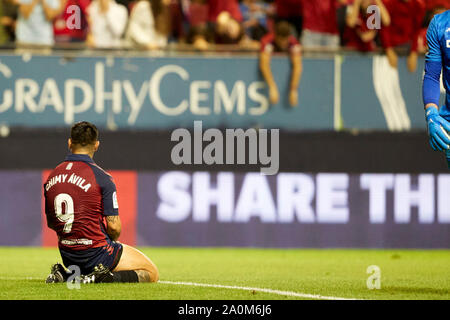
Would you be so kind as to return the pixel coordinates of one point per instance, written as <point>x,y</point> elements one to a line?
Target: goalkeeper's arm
<point>431,84</point>
<point>437,126</point>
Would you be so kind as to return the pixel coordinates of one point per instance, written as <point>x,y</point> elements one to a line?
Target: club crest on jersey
<point>448,43</point>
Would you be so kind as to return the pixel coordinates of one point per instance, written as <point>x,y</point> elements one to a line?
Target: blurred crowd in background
<point>208,24</point>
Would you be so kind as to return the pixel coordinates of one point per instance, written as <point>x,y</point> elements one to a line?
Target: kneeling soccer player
<point>81,206</point>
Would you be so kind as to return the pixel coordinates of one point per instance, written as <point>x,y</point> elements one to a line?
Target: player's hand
<point>104,6</point>
<point>274,96</point>
<point>392,57</point>
<point>293,97</point>
<point>411,62</point>
<point>201,44</point>
<point>437,130</point>
<point>90,42</point>
<point>151,46</point>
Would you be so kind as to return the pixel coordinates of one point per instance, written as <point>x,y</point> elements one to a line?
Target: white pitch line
<point>220,286</point>
<point>271,291</point>
<point>19,278</point>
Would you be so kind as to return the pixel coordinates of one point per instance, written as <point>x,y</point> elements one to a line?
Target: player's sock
<point>125,276</point>
<point>103,275</point>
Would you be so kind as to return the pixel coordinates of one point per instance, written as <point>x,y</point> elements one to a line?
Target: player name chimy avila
<point>74,179</point>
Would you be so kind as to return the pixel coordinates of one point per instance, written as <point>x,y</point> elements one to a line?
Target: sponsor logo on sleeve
<point>115,202</point>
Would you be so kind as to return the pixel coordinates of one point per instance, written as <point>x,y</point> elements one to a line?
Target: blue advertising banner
<point>155,93</point>
<point>376,96</point>
<point>353,92</point>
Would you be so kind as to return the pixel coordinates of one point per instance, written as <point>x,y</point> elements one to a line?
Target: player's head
<point>282,32</point>
<point>228,27</point>
<point>83,138</point>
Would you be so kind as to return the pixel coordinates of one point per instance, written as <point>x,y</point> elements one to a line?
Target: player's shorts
<point>109,255</point>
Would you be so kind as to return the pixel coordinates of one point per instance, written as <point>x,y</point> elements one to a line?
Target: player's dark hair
<point>83,134</point>
<point>283,29</point>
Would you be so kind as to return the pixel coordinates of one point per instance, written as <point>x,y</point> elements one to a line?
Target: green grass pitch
<point>405,274</point>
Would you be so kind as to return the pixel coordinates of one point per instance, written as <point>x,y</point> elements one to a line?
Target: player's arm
<point>90,18</point>
<point>110,205</point>
<point>384,13</point>
<point>50,223</point>
<point>116,19</point>
<point>264,67</point>
<point>111,211</point>
<point>296,74</point>
<point>386,41</point>
<point>352,14</point>
<point>433,65</point>
<point>113,227</point>
<point>25,9</point>
<point>52,12</point>
<point>437,126</point>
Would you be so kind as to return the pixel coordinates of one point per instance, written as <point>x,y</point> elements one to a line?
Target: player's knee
<point>150,273</point>
<point>153,272</point>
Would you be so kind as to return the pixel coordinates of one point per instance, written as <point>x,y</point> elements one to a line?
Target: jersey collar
<point>79,157</point>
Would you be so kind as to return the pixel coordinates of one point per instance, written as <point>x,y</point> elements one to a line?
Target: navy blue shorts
<point>108,255</point>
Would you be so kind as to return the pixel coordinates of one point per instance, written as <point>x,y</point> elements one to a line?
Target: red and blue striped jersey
<point>78,196</point>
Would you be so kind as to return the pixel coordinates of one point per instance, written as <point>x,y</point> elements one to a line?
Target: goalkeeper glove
<point>437,130</point>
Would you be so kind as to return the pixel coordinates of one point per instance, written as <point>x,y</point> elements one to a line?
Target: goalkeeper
<point>438,58</point>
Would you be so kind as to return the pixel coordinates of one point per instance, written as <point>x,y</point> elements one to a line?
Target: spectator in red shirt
<point>290,11</point>
<point>320,27</point>
<point>228,30</point>
<point>281,40</point>
<point>197,12</point>
<point>403,32</point>
<point>433,7</point>
<point>359,34</point>
<point>176,21</point>
<point>432,4</point>
<point>71,24</point>
<point>197,16</point>
<point>216,7</point>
